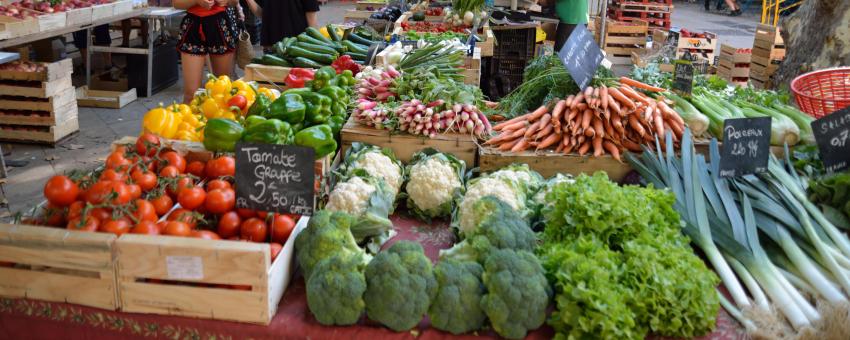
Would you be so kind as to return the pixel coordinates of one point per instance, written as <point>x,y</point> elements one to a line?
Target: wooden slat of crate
<point>105,99</point>
<point>631,6</point>
<point>549,163</point>
<point>355,15</point>
<point>266,73</point>
<point>47,89</point>
<point>51,104</point>
<point>216,262</point>
<point>78,16</point>
<point>614,27</point>
<point>61,265</point>
<point>122,6</point>
<point>13,27</point>
<point>731,54</point>
<point>102,11</point>
<point>52,71</point>
<point>733,72</point>
<point>405,145</point>
<point>762,71</point>
<point>621,51</point>
<point>771,54</point>
<point>621,40</point>
<point>769,34</point>
<point>488,45</point>
<point>49,136</point>
<point>58,116</point>
<point>52,21</point>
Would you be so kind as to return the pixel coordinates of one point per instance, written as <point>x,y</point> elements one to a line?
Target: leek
<point>695,120</point>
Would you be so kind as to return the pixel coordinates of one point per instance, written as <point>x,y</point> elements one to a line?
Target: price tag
<point>746,146</point>
<point>581,56</point>
<point>832,134</point>
<point>278,178</point>
<point>683,77</point>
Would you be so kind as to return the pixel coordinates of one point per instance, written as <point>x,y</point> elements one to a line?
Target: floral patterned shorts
<point>216,34</point>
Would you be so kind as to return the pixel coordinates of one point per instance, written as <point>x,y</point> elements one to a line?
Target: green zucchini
<point>273,60</point>
<point>317,48</point>
<point>333,34</point>
<point>320,58</point>
<point>356,56</point>
<point>307,63</point>
<point>356,48</point>
<point>353,37</point>
<point>312,32</point>
<point>308,39</point>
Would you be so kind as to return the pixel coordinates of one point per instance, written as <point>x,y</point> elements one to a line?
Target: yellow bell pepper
<point>161,122</point>
<point>272,94</point>
<point>221,86</point>
<point>183,109</point>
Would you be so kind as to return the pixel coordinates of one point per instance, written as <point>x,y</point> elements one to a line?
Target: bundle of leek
<point>762,228</point>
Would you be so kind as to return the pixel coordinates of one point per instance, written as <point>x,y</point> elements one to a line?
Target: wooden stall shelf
<point>79,16</point>
<point>105,99</point>
<point>14,27</point>
<point>52,21</point>
<point>122,6</point>
<point>549,163</point>
<point>266,73</point>
<point>102,11</point>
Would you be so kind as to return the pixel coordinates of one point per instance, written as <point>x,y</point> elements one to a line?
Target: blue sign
<point>581,56</point>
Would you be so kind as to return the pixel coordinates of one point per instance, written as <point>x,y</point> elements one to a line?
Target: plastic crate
<point>822,92</point>
<point>505,76</point>
<point>515,43</point>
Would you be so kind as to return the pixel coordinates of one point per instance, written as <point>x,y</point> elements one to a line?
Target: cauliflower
<point>435,181</point>
<point>375,161</point>
<point>529,180</point>
<point>499,227</point>
<point>400,285</point>
<point>370,201</point>
<point>351,196</point>
<point>486,186</point>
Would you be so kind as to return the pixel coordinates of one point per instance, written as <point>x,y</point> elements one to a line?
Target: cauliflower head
<point>435,182</point>
<point>499,227</point>
<point>456,307</point>
<point>335,290</point>
<point>529,180</point>
<point>327,233</point>
<point>400,285</point>
<point>370,201</point>
<point>351,196</point>
<point>504,190</point>
<point>517,292</point>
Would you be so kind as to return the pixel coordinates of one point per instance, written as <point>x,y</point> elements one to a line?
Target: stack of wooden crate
<point>39,106</point>
<point>657,13</point>
<point>623,38</point>
<point>768,52</point>
<point>701,46</point>
<point>734,64</point>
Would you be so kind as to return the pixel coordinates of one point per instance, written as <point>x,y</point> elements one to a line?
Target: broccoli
<point>499,227</point>
<point>456,307</point>
<point>335,290</point>
<point>517,292</point>
<point>327,233</point>
<point>400,286</point>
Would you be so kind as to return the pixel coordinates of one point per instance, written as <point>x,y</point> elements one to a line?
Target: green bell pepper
<point>336,93</point>
<point>336,122</point>
<point>289,108</point>
<point>269,131</point>
<point>318,105</point>
<point>319,137</point>
<point>222,134</point>
<point>260,106</point>
<point>322,77</point>
<point>338,109</point>
<point>253,120</point>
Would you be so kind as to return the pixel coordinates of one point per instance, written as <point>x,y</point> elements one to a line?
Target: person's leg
<point>734,9</point>
<point>193,73</point>
<point>102,38</point>
<point>223,64</point>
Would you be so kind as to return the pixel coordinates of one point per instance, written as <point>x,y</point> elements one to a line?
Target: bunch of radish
<point>467,118</point>
<point>418,118</point>
<point>372,114</point>
<point>377,88</point>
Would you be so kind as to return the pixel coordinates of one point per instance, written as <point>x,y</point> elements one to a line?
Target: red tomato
<point>281,226</point>
<point>76,209</point>
<point>89,223</point>
<point>184,182</point>
<point>102,214</point>
<point>134,190</point>
<point>145,227</point>
<point>185,216</point>
<point>118,226</point>
<point>174,159</point>
<point>169,171</point>
<point>162,204</point>
<point>61,191</point>
<point>177,228</point>
<point>196,168</point>
<point>263,214</point>
<point>117,161</point>
<point>161,226</point>
<point>145,179</point>
<point>205,234</point>
<point>239,101</point>
<point>220,167</point>
<point>147,144</point>
<point>218,184</point>
<point>115,193</point>
<point>275,249</point>
<point>254,229</point>
<point>145,211</point>
<point>228,224</point>
<point>54,216</point>
<point>220,201</point>
<point>191,198</point>
<point>246,213</point>
<point>112,175</point>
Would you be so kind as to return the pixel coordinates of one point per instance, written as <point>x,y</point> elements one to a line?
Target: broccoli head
<point>499,227</point>
<point>327,233</point>
<point>400,286</point>
<point>335,290</point>
<point>517,292</point>
<point>456,307</point>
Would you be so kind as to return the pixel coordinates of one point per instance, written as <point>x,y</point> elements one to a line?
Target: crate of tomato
<point>484,36</point>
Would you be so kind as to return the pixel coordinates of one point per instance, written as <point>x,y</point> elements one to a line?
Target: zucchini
<point>353,37</point>
<point>333,34</point>
<point>317,48</point>
<point>356,56</point>
<point>307,63</point>
<point>273,60</point>
<point>352,47</point>
<point>320,58</point>
<point>308,39</point>
<point>314,33</point>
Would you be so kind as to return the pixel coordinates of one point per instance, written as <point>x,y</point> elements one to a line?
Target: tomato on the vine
<point>246,213</point>
<point>218,184</point>
<point>61,191</point>
<point>177,228</point>
<point>112,175</point>
<point>254,229</point>
<point>162,204</point>
<point>145,227</point>
<point>76,209</point>
<point>169,171</point>
<point>185,216</point>
<point>145,211</point>
<point>174,159</point>
<point>281,226</point>
<point>205,234</point>
<point>228,224</point>
<point>145,179</point>
<point>219,201</point>
<point>183,182</point>
<point>147,144</point>
<point>53,215</point>
<point>134,190</point>
<point>102,214</point>
<point>196,168</point>
<point>119,226</point>
<point>111,192</point>
<point>117,161</point>
<point>87,223</point>
<point>191,198</point>
<point>221,167</point>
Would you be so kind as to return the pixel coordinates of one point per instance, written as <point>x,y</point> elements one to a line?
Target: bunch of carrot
<point>606,120</point>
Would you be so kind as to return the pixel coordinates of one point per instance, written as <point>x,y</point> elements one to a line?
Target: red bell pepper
<point>298,77</point>
<point>344,62</point>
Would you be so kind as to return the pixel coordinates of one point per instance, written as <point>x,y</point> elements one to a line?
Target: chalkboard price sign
<point>832,133</point>
<point>277,178</point>
<point>581,56</point>
<point>746,146</point>
<point>683,77</point>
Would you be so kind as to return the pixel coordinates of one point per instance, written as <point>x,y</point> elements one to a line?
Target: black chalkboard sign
<point>374,49</point>
<point>581,56</point>
<point>683,77</point>
<point>277,178</point>
<point>832,134</point>
<point>746,146</point>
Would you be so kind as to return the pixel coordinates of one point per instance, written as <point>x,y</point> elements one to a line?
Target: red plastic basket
<point>820,93</point>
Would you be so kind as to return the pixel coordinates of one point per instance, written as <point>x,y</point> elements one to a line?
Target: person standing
<point>284,18</point>
<point>210,28</point>
<point>571,13</point>
<point>734,8</point>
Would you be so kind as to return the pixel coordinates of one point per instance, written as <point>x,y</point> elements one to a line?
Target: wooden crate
<point>38,104</point>
<point>357,15</point>
<point>734,64</point>
<point>768,52</point>
<point>143,258</point>
<point>624,38</point>
<point>122,6</point>
<point>704,47</point>
<point>487,45</point>
<point>43,89</point>
<point>549,163</point>
<point>52,21</point>
<point>44,118</point>
<point>472,68</point>
<point>39,134</point>
<point>734,55</point>
<point>102,11</point>
<point>767,37</point>
<point>13,27</point>
<point>405,145</point>
<point>58,265</point>
<point>106,99</point>
<point>52,71</point>
<point>78,16</point>
<point>266,73</point>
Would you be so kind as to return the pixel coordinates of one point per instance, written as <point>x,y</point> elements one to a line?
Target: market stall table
<point>24,39</point>
<point>32,319</point>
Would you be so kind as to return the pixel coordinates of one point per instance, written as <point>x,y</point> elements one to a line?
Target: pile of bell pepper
<point>223,98</point>
<point>309,116</point>
<point>177,121</point>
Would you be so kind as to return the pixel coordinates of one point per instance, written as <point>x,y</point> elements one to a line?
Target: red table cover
<point>31,319</point>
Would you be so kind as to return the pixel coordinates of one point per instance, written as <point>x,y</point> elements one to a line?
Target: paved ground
<point>99,127</point>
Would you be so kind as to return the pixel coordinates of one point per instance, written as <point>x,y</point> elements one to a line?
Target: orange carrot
<point>635,125</point>
<point>514,126</point>
<point>659,125</point>
<point>634,95</point>
<point>603,94</point>
<point>588,92</point>
<point>531,129</point>
<point>580,139</point>
<point>537,113</point>
<point>581,106</point>
<point>597,126</point>
<point>670,113</point>
<point>509,145</point>
<point>609,130</point>
<point>545,131</point>
<point>640,85</point>
<point>559,148</point>
<point>675,127</point>
<point>552,139</point>
<point>613,105</point>
<point>498,138</point>
<point>502,125</point>
<point>520,146</point>
<point>612,149</point>
<point>619,96</point>
<point>632,146</point>
<point>517,133</point>
<point>618,125</point>
<point>583,149</point>
<point>569,100</point>
<point>597,147</point>
<point>585,119</point>
<point>590,132</point>
<point>571,116</point>
<point>557,112</point>
<point>577,100</point>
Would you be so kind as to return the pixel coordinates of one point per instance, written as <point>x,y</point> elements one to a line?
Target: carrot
<point>597,147</point>
<point>659,124</point>
<point>537,113</point>
<point>520,146</point>
<point>559,148</point>
<point>583,149</point>
<point>619,96</point>
<point>514,126</point>
<point>609,130</point>
<point>509,145</point>
<point>612,149</point>
<point>566,140</point>
<point>640,85</point>
<point>531,129</point>
<point>517,133</point>
<point>585,119</point>
<point>577,100</point>
<point>590,133</point>
<point>573,114</point>
<point>648,114</point>
<point>631,146</point>
<point>497,139</point>
<point>618,125</point>
<point>670,113</point>
<point>675,127</point>
<point>557,112</point>
<point>502,125</point>
<point>568,147</point>
<point>635,125</point>
<point>603,94</point>
<point>629,92</point>
<point>606,113</point>
<point>597,126</point>
<point>569,100</point>
<point>545,131</point>
<point>581,106</point>
<point>614,106</point>
<point>552,139</point>
<point>588,92</point>
<point>580,139</point>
